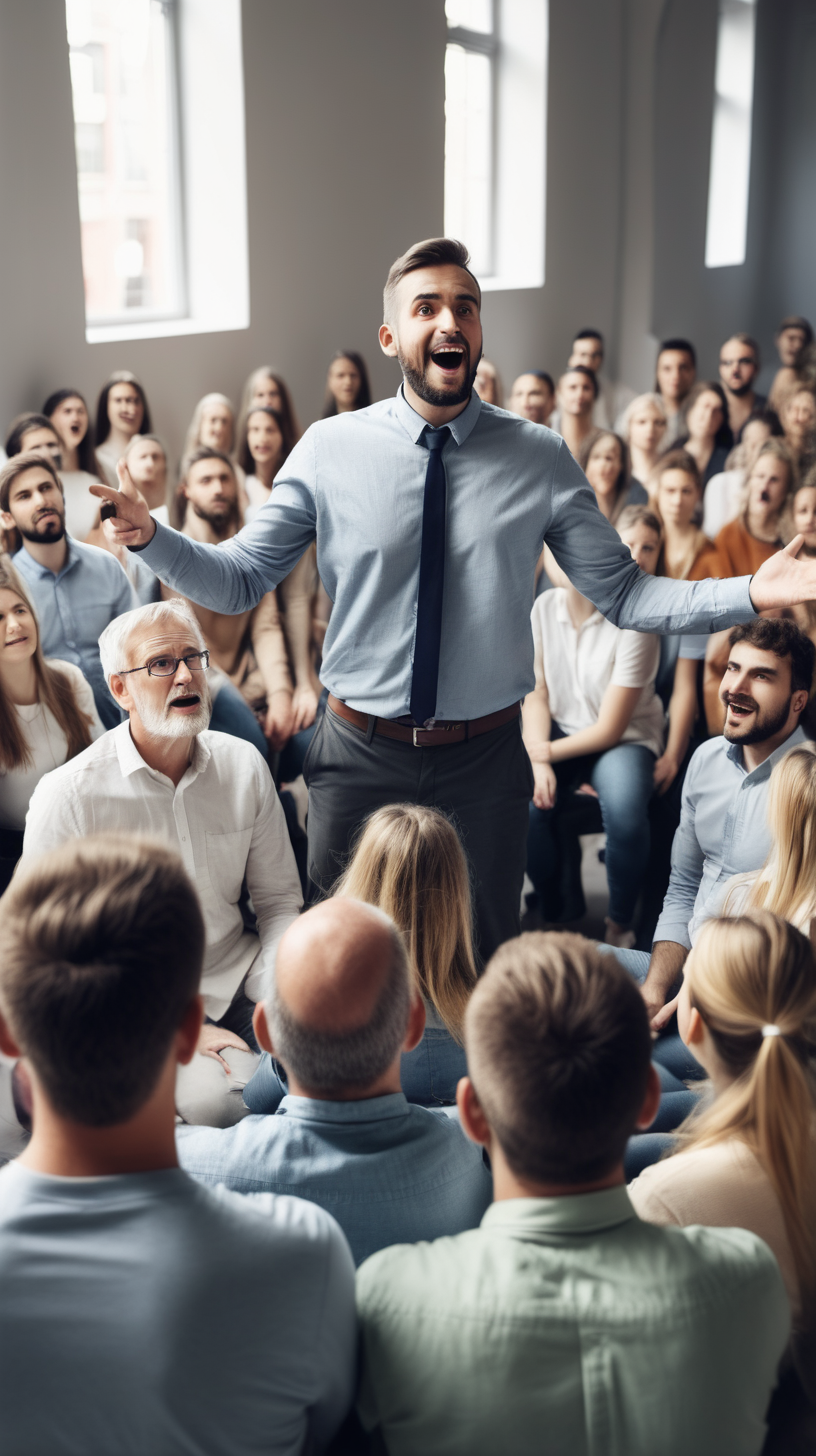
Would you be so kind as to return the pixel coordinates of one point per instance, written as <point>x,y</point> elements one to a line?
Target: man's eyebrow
<point>426,297</point>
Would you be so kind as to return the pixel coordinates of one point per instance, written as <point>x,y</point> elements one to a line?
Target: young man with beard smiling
<point>211,797</point>
<point>430,510</point>
<point>77,589</point>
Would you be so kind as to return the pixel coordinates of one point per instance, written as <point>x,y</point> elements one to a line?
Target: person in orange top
<point>686,553</point>
<point>764,524</point>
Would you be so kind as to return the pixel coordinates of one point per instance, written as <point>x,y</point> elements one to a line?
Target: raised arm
<point>233,576</point>
<point>598,564</point>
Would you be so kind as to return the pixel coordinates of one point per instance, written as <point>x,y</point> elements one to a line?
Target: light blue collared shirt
<point>389,1172</point>
<point>74,606</point>
<point>356,483</point>
<point>723,831</point>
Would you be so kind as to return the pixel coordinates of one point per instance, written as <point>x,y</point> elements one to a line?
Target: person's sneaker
<point>621,939</point>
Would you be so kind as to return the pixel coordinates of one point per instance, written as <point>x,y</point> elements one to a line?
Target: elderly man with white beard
<point>210,796</point>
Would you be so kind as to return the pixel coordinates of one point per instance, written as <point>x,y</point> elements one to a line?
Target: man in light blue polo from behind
<point>341,1012</point>
<point>564,1323</point>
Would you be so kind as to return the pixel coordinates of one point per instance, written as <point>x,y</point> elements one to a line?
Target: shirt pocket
<point>226,862</point>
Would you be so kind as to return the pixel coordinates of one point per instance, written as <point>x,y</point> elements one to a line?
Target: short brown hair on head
<point>432,253</point>
<point>638,516</point>
<point>101,949</point>
<point>28,460</point>
<point>676,460</point>
<point>559,1048</point>
<point>783,639</point>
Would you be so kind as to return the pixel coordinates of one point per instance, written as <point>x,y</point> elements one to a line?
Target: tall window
<point>125,93</point>
<point>729,176</point>
<point>495,136</point>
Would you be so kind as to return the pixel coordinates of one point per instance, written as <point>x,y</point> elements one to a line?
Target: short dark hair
<point>747,342</point>
<point>558,1047</point>
<point>676,459</point>
<point>766,416</point>
<point>588,334</point>
<point>101,949</point>
<point>795,321</point>
<point>545,378</point>
<point>639,515</point>
<point>431,253</point>
<point>27,460</point>
<point>21,427</point>
<point>178,505</point>
<point>583,369</point>
<point>783,639</point>
<point>680,346</point>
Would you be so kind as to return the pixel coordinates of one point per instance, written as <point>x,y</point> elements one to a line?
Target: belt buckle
<point>414,736</point>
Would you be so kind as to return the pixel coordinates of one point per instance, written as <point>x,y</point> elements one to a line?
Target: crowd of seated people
<point>225,1087</point>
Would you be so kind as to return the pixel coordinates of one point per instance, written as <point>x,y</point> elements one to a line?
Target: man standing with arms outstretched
<point>429,511</point>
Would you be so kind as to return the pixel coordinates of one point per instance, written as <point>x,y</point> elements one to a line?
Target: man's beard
<point>163,723</point>
<point>763,729</point>
<point>441,398</point>
<point>740,390</point>
<point>53,530</point>
<point>223,521</point>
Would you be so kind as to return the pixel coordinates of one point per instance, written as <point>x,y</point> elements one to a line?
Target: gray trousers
<point>484,786</point>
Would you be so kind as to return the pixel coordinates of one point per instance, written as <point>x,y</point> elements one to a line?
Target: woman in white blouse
<point>593,723</point>
<point>47,714</point>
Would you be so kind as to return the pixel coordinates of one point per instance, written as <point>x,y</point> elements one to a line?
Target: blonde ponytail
<point>753,981</point>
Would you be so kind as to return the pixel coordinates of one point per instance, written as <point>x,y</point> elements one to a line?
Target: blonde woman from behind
<point>747,1010</point>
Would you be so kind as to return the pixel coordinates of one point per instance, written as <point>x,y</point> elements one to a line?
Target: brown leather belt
<point>443,733</point>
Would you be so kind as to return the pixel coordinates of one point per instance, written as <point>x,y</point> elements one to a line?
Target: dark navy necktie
<point>431,582</point>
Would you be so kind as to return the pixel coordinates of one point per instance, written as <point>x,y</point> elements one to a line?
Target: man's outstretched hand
<point>783,580</point>
<point>133,524</point>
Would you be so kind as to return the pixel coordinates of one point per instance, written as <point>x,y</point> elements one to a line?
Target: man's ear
<point>416,1023</point>
<point>388,340</point>
<point>7,521</point>
<point>189,1031</point>
<point>651,1102</point>
<point>7,1043</point>
<point>119,687</point>
<point>260,1026</point>
<point>799,701</point>
<point>471,1114</point>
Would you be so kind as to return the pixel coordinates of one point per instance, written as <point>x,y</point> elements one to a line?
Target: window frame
<point>485,43</point>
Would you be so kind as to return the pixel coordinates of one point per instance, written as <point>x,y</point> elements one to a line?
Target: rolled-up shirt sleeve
<point>687,861</point>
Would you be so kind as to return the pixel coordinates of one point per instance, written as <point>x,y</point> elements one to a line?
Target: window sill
<point>161,328</point>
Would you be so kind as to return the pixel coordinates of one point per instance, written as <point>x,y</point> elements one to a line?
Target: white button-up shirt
<point>225,820</point>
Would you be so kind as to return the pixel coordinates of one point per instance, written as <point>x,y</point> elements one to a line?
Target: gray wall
<point>345,127</point>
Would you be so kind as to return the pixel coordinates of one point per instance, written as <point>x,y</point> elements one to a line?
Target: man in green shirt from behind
<point>564,1325</point>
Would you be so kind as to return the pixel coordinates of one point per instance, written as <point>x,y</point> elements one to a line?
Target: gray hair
<point>113,642</point>
<point>332,1062</point>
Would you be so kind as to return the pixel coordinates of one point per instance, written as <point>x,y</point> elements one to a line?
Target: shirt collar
<point>130,759</point>
<point>763,770</point>
<point>460,427</point>
<point>574,1213</point>
<point>367,1109</point>
<point>33,569</point>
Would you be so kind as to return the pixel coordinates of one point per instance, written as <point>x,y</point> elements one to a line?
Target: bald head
<point>340,1005</point>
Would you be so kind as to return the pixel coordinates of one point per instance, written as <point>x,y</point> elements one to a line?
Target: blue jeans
<point>430,1072</point>
<point>266,1089</point>
<point>669,1049</point>
<point>623,780</point>
<point>232,714</point>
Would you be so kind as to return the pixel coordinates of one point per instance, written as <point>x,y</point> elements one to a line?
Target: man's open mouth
<point>189,700</point>
<point>741,710</point>
<point>448,357</point>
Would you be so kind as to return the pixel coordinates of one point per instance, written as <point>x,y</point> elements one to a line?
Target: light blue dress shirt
<point>74,606</point>
<point>723,831</point>
<point>388,1171</point>
<point>356,483</point>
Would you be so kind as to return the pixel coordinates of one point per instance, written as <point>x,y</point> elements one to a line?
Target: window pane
<point>729,177</point>
<point>123,87</point>
<point>468,152</point>
<point>470,15</point>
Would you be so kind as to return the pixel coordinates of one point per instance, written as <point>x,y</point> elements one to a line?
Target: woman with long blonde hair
<point>408,862</point>
<point>786,883</point>
<point>747,1010</point>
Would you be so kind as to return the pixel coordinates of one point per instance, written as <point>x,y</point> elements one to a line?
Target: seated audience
<point>739,367</point>
<point>76,589</point>
<point>249,648</point>
<point>803,511</point>
<point>676,372</point>
<point>612,399</point>
<point>121,412</point>
<point>267,390</point>
<point>798,415</point>
<point>212,425</point>
<point>764,524</point>
<point>686,553</point>
<point>68,413</point>
<point>725,493</point>
<point>347,384</point>
<point>593,718</point>
<point>643,427</point>
<point>339,1013</point>
<point>792,339</point>
<point>747,1011</point>
<point>533,397</point>
<point>565,1323</point>
<point>723,827</point>
<point>261,453</point>
<point>577,393</point>
<point>487,383</point>
<point>604,460</point>
<point>706,434</point>
<point>113,1262</point>
<point>211,798</point>
<point>47,714</point>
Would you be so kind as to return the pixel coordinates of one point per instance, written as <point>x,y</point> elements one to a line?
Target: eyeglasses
<point>168,666</point>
